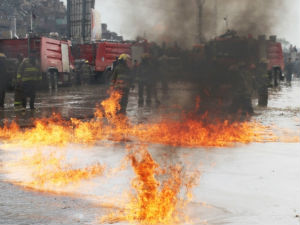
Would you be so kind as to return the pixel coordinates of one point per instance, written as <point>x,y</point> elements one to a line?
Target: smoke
<point>252,16</point>
<point>177,20</point>
<point>168,20</point>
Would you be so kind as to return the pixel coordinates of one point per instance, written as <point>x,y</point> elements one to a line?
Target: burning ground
<point>58,156</point>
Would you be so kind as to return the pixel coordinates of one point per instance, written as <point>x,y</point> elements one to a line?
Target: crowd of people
<point>152,70</point>
<point>146,75</point>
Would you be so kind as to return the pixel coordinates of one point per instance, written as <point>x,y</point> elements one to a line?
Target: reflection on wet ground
<point>246,184</point>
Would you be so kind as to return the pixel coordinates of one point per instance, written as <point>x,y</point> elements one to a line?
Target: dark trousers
<point>151,92</point>
<point>29,89</point>
<point>242,102</point>
<point>263,96</point>
<point>141,87</point>
<point>124,99</point>
<point>18,95</point>
<point>52,80</point>
<point>276,77</point>
<point>2,97</point>
<point>289,77</point>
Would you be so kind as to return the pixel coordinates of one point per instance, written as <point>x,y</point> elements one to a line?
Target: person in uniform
<point>142,79</point>
<point>52,75</point>
<point>148,79</point>
<point>122,80</point>
<point>29,74</point>
<point>3,79</point>
<point>18,86</point>
<point>263,82</point>
<point>240,77</point>
<point>289,70</point>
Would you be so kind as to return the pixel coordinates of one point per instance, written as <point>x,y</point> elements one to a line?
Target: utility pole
<point>200,4</point>
<point>68,18</point>
<point>216,9</point>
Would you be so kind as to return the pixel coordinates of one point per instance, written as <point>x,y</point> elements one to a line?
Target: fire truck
<point>221,60</point>
<point>231,49</point>
<point>100,56</point>
<point>54,55</point>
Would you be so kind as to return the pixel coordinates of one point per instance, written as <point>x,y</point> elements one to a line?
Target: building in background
<point>42,16</point>
<point>79,20</point>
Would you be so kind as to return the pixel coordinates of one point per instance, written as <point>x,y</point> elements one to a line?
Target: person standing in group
<point>29,74</point>
<point>142,78</point>
<point>122,80</point>
<point>148,80</point>
<point>18,85</point>
<point>241,96</point>
<point>263,82</point>
<point>3,79</point>
<point>289,70</point>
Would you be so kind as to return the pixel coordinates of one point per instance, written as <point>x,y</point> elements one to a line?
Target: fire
<point>197,133</point>
<point>154,201</point>
<point>158,195</point>
<point>189,131</point>
<point>50,171</point>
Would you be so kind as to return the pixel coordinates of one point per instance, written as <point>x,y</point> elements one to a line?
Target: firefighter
<point>86,72</point>
<point>18,85</point>
<point>3,79</point>
<point>289,70</point>
<point>148,74</point>
<point>52,79</point>
<point>142,78</point>
<point>122,80</point>
<point>240,77</point>
<point>263,83</point>
<point>29,74</point>
<point>163,74</point>
<point>297,67</point>
<point>115,63</point>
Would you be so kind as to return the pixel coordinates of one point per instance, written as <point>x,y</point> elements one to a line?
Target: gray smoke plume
<point>177,20</point>
<point>253,16</point>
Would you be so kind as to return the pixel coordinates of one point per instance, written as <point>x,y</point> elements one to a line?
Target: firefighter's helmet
<point>124,57</point>
<point>146,56</point>
<point>2,55</point>
<point>264,61</point>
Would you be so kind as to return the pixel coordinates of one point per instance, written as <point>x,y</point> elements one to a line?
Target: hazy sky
<point>115,13</point>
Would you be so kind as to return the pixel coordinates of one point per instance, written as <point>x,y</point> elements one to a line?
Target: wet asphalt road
<point>255,184</point>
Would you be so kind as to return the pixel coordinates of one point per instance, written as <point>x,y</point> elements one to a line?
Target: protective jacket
<point>3,74</point>
<point>122,74</point>
<point>29,72</point>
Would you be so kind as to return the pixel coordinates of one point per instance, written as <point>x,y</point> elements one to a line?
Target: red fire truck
<point>275,55</point>
<point>54,55</point>
<point>100,56</point>
<point>230,49</point>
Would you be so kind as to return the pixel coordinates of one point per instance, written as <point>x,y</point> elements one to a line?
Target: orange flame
<point>154,202</point>
<point>49,171</point>
<point>189,132</point>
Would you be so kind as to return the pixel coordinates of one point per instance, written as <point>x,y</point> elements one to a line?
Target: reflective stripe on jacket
<point>122,73</point>
<point>28,72</point>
